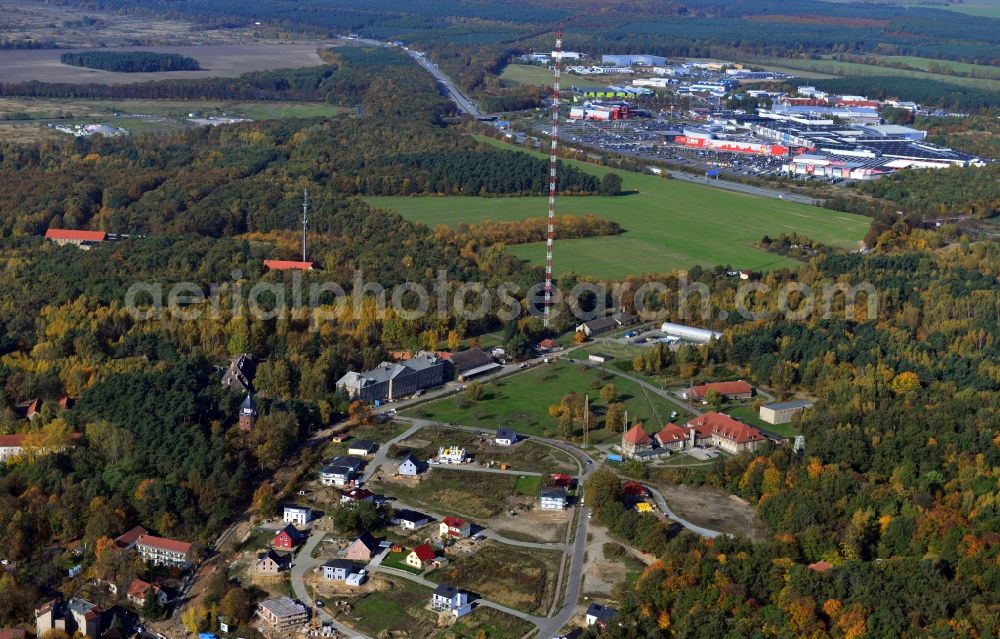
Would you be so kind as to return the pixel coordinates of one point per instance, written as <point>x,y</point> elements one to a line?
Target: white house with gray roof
<point>340,471</point>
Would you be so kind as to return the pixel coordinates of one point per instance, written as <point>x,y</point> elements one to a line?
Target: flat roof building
<point>282,613</point>
<point>783,412</point>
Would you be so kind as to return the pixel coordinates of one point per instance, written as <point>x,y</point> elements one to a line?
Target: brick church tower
<point>248,414</point>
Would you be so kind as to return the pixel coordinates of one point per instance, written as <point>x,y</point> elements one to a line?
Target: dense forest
<point>945,193</point>
<point>696,28</point>
<point>927,92</point>
<point>130,61</point>
<point>897,488</point>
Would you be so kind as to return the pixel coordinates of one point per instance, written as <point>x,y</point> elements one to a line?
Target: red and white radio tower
<point>554,134</point>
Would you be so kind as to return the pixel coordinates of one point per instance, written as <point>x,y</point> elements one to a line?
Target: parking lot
<point>653,139</point>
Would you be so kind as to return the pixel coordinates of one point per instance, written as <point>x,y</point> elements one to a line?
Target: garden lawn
<point>400,606</point>
<point>397,560</point>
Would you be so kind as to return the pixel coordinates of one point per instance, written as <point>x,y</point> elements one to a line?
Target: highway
<point>464,104</point>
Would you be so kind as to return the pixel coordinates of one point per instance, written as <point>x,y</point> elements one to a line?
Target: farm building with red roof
<point>82,239</point>
<point>289,265</point>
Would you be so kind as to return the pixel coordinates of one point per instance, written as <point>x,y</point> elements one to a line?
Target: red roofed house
<point>726,433</point>
<point>10,446</point>
<point>548,345</point>
<point>562,479</point>
<point>30,408</point>
<point>420,556</point>
<point>139,590</point>
<point>455,527</point>
<point>356,496</point>
<point>287,538</point>
<point>636,441</point>
<point>81,239</point>
<point>820,566</point>
<point>289,265</point>
<point>13,445</point>
<point>728,390</point>
<point>164,552</point>
<point>73,616</point>
<point>128,539</point>
<point>674,437</point>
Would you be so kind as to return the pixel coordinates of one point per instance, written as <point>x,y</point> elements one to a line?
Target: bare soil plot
<point>69,26</point>
<point>600,574</point>
<point>714,509</point>
<point>221,60</point>
<point>533,525</point>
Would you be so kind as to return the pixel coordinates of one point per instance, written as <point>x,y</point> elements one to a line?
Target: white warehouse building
<point>690,333</point>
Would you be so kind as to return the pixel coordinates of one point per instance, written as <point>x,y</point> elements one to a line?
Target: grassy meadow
<point>669,224</point>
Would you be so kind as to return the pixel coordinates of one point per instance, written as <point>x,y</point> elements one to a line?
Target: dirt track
<point>714,509</point>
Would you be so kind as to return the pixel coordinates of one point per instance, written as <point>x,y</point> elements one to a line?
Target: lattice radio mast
<point>554,134</point>
<point>305,220</point>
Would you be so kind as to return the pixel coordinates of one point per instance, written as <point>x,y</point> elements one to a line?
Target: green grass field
<point>540,76</point>
<point>397,560</point>
<point>855,69</point>
<point>670,224</point>
<point>401,605</point>
<point>522,401</point>
<point>528,485</point>
<point>960,67</point>
<point>985,8</point>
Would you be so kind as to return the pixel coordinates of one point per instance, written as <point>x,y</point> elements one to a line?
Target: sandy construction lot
<point>222,60</point>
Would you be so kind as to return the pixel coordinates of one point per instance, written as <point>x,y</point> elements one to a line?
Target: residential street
<point>301,567</point>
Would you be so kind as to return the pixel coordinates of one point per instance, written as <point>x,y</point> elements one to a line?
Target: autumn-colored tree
<point>609,394</point>
<point>195,618</point>
<point>614,417</point>
<point>264,500</point>
<point>580,337</point>
<point>274,379</point>
<point>905,383</point>
<point>714,398</point>
<point>359,412</point>
<point>474,391</point>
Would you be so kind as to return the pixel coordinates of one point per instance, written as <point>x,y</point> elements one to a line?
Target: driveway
<point>662,504</point>
<point>302,566</point>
